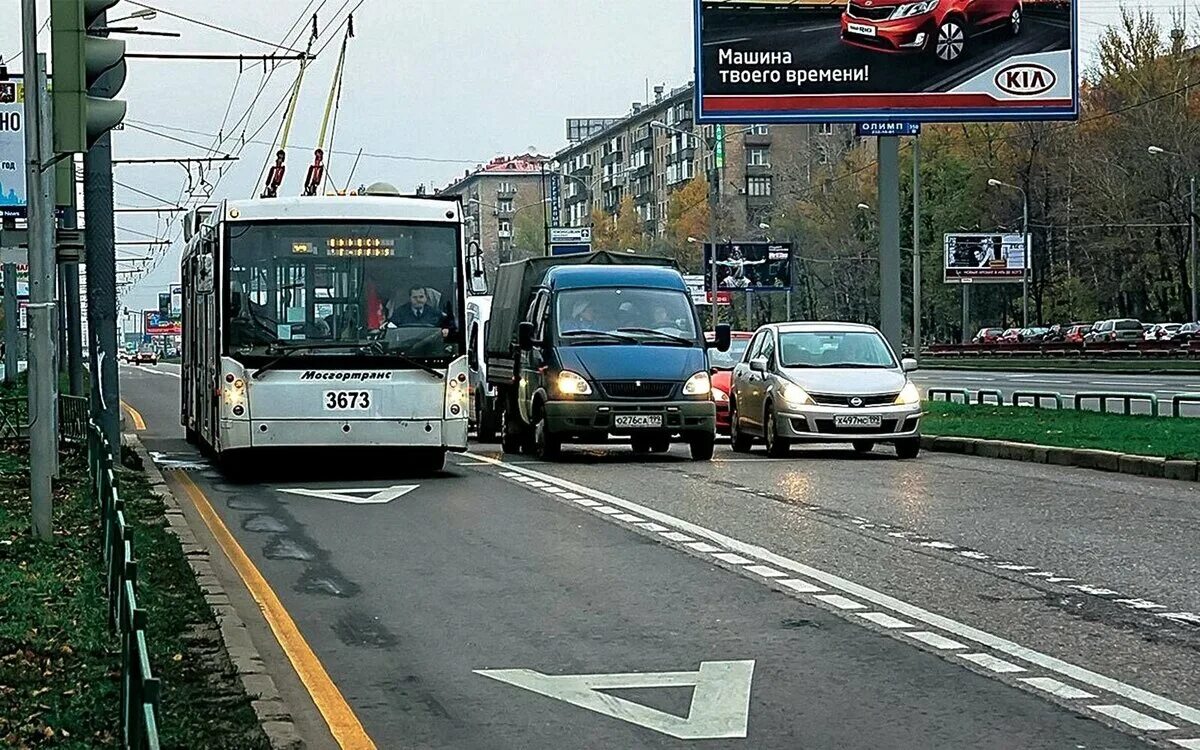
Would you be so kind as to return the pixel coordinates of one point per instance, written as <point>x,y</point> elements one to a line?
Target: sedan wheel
<point>738,440</point>
<point>777,447</point>
<point>951,41</point>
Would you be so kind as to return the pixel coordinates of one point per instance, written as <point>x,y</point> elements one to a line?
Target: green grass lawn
<point>1167,437</point>
<point>60,664</point>
<point>1062,364</point>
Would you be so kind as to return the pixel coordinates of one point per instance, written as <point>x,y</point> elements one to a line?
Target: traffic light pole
<point>12,334</point>
<point>102,284</point>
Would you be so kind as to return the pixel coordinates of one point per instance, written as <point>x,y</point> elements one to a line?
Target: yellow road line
<point>342,721</point>
<point>139,424</point>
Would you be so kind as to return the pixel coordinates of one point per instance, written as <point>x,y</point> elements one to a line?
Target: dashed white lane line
<point>1056,688</point>
<point>885,620</point>
<point>839,601</point>
<point>657,528</point>
<point>731,558</point>
<point>628,518</point>
<point>585,502</point>
<point>987,661</point>
<point>675,536</point>
<point>765,571</point>
<point>1135,719</point>
<point>1188,744</point>
<point>940,642</point>
<point>607,510</point>
<point>1001,645</point>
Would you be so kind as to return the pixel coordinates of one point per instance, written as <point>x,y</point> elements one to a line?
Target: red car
<point>940,27</point>
<point>1075,334</point>
<point>722,373</point>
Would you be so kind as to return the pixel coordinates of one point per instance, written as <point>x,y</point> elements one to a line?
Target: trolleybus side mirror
<point>478,282</point>
<point>525,335</point>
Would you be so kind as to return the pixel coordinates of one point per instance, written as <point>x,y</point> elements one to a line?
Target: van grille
<point>638,389</point>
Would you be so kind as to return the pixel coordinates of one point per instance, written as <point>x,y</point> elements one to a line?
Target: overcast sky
<point>431,87</point>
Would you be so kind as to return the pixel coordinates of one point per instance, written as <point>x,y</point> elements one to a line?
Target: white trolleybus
<point>326,322</point>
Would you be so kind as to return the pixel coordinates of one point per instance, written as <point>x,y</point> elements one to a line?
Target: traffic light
<point>81,56</point>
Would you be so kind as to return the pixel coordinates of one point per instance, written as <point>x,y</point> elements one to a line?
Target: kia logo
<point>856,401</point>
<point>1025,79</point>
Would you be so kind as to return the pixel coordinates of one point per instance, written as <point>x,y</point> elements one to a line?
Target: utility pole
<point>714,196</point>
<point>889,241</point>
<point>1195,261</point>
<point>42,373</point>
<point>12,334</point>
<point>916,249</point>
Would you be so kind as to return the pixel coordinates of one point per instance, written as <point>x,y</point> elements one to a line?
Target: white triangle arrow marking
<point>356,495</point>
<point>720,701</point>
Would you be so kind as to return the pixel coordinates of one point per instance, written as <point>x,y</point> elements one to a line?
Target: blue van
<point>603,352</point>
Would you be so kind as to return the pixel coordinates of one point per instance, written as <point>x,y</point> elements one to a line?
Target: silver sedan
<point>824,383</point>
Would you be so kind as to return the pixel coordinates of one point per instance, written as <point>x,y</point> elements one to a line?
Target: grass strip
<point>1135,434</point>
<point>59,662</point>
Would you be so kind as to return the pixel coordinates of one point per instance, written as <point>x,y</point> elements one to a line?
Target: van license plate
<point>860,28</point>
<point>637,420</point>
<point>859,420</point>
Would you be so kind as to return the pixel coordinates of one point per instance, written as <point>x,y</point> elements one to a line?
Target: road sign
<point>13,192</point>
<point>867,129</point>
<point>570,249</point>
<point>720,702</point>
<point>570,235</point>
<point>356,495</point>
<point>555,209</point>
<point>719,147</point>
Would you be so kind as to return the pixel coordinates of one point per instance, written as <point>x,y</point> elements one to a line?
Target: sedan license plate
<point>858,420</point>
<point>861,28</point>
<point>638,420</point>
<point>347,400</point>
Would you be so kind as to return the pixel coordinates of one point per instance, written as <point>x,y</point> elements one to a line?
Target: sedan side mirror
<point>525,335</point>
<point>724,337</point>
<point>908,364</point>
<point>759,364</point>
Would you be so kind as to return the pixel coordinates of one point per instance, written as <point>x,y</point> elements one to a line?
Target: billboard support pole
<point>889,240</point>
<point>916,250</point>
<point>12,334</point>
<point>1195,262</point>
<point>966,313</point>
<point>713,186</point>
<point>1025,267</point>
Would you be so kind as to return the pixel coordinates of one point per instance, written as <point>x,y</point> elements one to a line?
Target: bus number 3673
<point>347,400</point>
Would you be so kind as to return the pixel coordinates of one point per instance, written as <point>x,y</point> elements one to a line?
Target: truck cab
<point>610,352</point>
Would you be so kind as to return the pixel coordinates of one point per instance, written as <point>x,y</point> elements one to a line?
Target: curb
<point>273,715</point>
<point>1112,461</point>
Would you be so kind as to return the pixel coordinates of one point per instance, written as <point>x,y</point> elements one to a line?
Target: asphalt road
<point>824,601</point>
<point>815,41</point>
<point>1068,384</point>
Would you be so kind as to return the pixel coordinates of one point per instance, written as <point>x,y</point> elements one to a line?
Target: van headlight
<point>572,384</point>
<point>699,384</point>
<point>909,395</point>
<point>794,395</point>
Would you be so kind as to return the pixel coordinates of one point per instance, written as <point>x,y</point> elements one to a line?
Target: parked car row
<point>146,355</point>
<point>1112,330</point>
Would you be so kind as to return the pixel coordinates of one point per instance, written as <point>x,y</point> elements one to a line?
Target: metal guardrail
<point>1179,399</point>
<point>140,690</point>
<point>982,396</point>
<point>1037,397</point>
<point>72,418</point>
<point>1103,349</point>
<point>949,394</point>
<point>14,418</point>
<point>1126,400</point>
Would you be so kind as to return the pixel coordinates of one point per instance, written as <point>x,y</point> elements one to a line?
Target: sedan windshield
<point>647,315</point>
<point>834,349</point>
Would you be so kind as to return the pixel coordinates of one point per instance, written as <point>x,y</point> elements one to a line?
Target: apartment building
<point>494,195</point>
<point>765,166</point>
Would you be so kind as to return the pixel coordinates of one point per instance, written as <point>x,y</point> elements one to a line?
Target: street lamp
<point>145,14</point>
<point>1025,236</point>
<point>1195,264</point>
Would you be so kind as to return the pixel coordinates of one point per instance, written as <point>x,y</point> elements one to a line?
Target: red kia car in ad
<point>722,373</point>
<point>941,27</point>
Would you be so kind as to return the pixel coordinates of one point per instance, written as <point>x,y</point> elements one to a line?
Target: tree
<point>627,228</point>
<point>529,237</point>
<point>688,216</point>
<point>604,236</point>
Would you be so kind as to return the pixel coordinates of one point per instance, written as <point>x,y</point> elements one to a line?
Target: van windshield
<point>645,314</point>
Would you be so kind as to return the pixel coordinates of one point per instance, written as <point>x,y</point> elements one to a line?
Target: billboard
<point>698,288</point>
<point>984,258</point>
<point>12,150</point>
<point>751,266</point>
<point>863,60</point>
<point>157,324</point>
<point>176,301</point>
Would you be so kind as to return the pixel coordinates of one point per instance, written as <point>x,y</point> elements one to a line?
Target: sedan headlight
<point>910,394</point>
<point>794,395</point>
<point>720,396</point>
<point>699,384</point>
<point>572,384</point>
<point>914,9</point>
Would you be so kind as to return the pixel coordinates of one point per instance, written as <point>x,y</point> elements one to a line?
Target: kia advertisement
<point>750,266</point>
<point>862,60</point>
<point>983,258</point>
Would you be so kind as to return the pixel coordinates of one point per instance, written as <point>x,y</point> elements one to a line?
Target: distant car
<point>942,28</point>
<point>1076,333</point>
<point>1034,335</point>
<point>1162,331</point>
<point>988,336</point>
<point>1116,330</point>
<point>1011,336</point>
<point>722,364</point>
<point>145,356</point>
<point>1187,332</point>
<point>824,382</point>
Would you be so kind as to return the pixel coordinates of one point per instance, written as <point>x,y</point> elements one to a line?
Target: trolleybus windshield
<point>391,287</point>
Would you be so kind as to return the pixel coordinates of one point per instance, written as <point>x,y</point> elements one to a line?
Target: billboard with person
<point>759,61</point>
<point>984,257</point>
<point>752,266</point>
<point>158,324</point>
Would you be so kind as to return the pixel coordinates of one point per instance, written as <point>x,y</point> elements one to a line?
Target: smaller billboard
<point>157,324</point>
<point>751,266</point>
<point>570,235</point>
<point>13,193</point>
<point>984,258</point>
<point>176,301</point>
<point>701,297</point>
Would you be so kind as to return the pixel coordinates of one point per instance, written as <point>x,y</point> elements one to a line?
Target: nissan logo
<point>1025,79</point>
<point>856,401</point>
